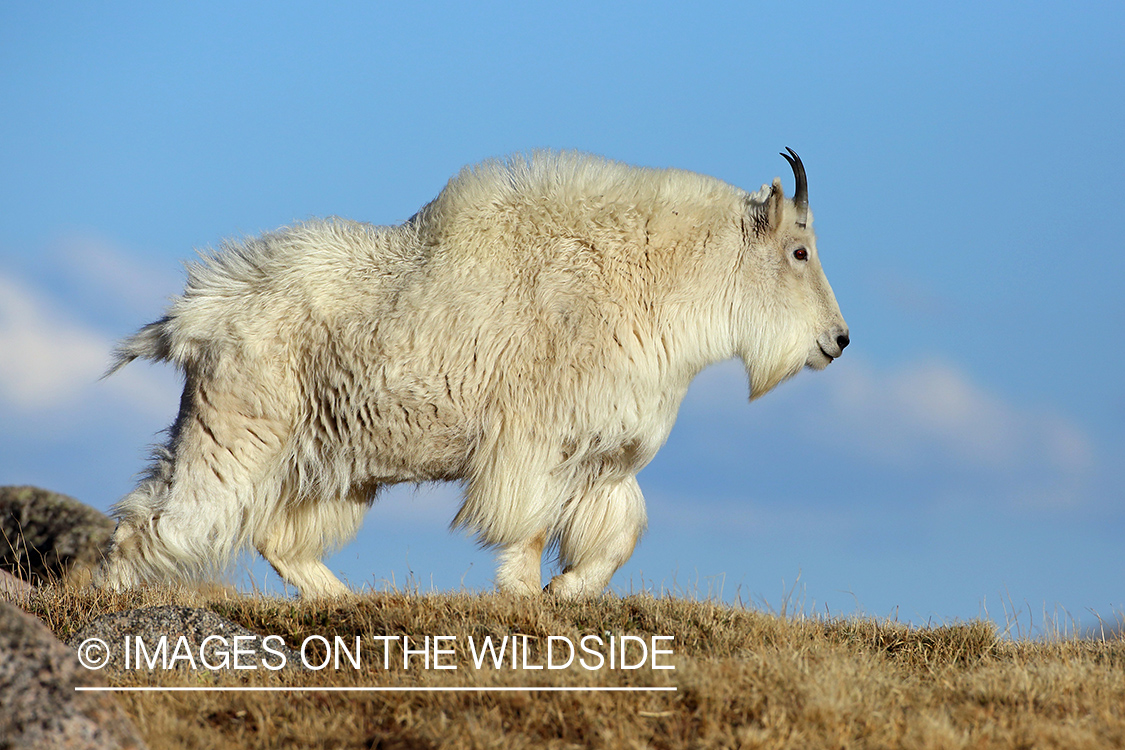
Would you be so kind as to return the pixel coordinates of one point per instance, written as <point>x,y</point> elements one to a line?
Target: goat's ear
<point>774,204</point>
<point>765,208</point>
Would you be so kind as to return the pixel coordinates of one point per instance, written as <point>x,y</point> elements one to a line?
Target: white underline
<point>152,689</point>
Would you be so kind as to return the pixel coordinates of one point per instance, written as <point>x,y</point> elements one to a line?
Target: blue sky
<point>966,166</point>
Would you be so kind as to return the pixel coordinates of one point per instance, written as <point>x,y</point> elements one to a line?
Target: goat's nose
<point>842,341</point>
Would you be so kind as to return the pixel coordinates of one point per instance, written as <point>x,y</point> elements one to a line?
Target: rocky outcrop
<point>41,708</point>
<point>45,535</point>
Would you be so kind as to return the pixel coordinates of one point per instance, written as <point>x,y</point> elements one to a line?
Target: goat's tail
<point>151,342</point>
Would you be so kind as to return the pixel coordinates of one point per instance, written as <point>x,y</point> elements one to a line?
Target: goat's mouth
<point>818,358</point>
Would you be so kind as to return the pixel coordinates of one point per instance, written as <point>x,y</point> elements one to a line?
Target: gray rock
<point>12,587</point>
<point>191,626</point>
<point>45,535</point>
<point>41,708</point>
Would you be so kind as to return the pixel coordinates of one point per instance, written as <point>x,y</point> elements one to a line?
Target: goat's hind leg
<point>136,554</point>
<point>203,493</point>
<point>294,540</point>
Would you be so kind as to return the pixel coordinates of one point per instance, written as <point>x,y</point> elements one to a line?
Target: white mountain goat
<point>530,333</point>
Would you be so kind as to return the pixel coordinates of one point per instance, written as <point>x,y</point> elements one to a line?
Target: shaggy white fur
<point>531,333</point>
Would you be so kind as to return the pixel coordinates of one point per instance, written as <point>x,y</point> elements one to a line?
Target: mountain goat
<point>530,333</point>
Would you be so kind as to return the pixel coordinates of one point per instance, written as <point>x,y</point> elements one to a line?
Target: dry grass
<point>744,679</point>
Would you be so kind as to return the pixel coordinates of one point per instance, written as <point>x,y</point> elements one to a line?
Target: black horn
<point>801,194</point>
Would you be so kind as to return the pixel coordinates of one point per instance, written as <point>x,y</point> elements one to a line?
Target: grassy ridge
<point>743,679</point>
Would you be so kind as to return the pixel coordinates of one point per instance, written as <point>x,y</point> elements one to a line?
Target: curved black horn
<point>801,194</point>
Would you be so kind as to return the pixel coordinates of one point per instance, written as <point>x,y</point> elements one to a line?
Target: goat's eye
<point>801,254</point>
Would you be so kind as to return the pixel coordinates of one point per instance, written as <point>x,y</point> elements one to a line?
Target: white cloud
<point>49,360</point>
<point>46,358</point>
<point>932,406</point>
<point>927,415</point>
<point>115,278</point>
